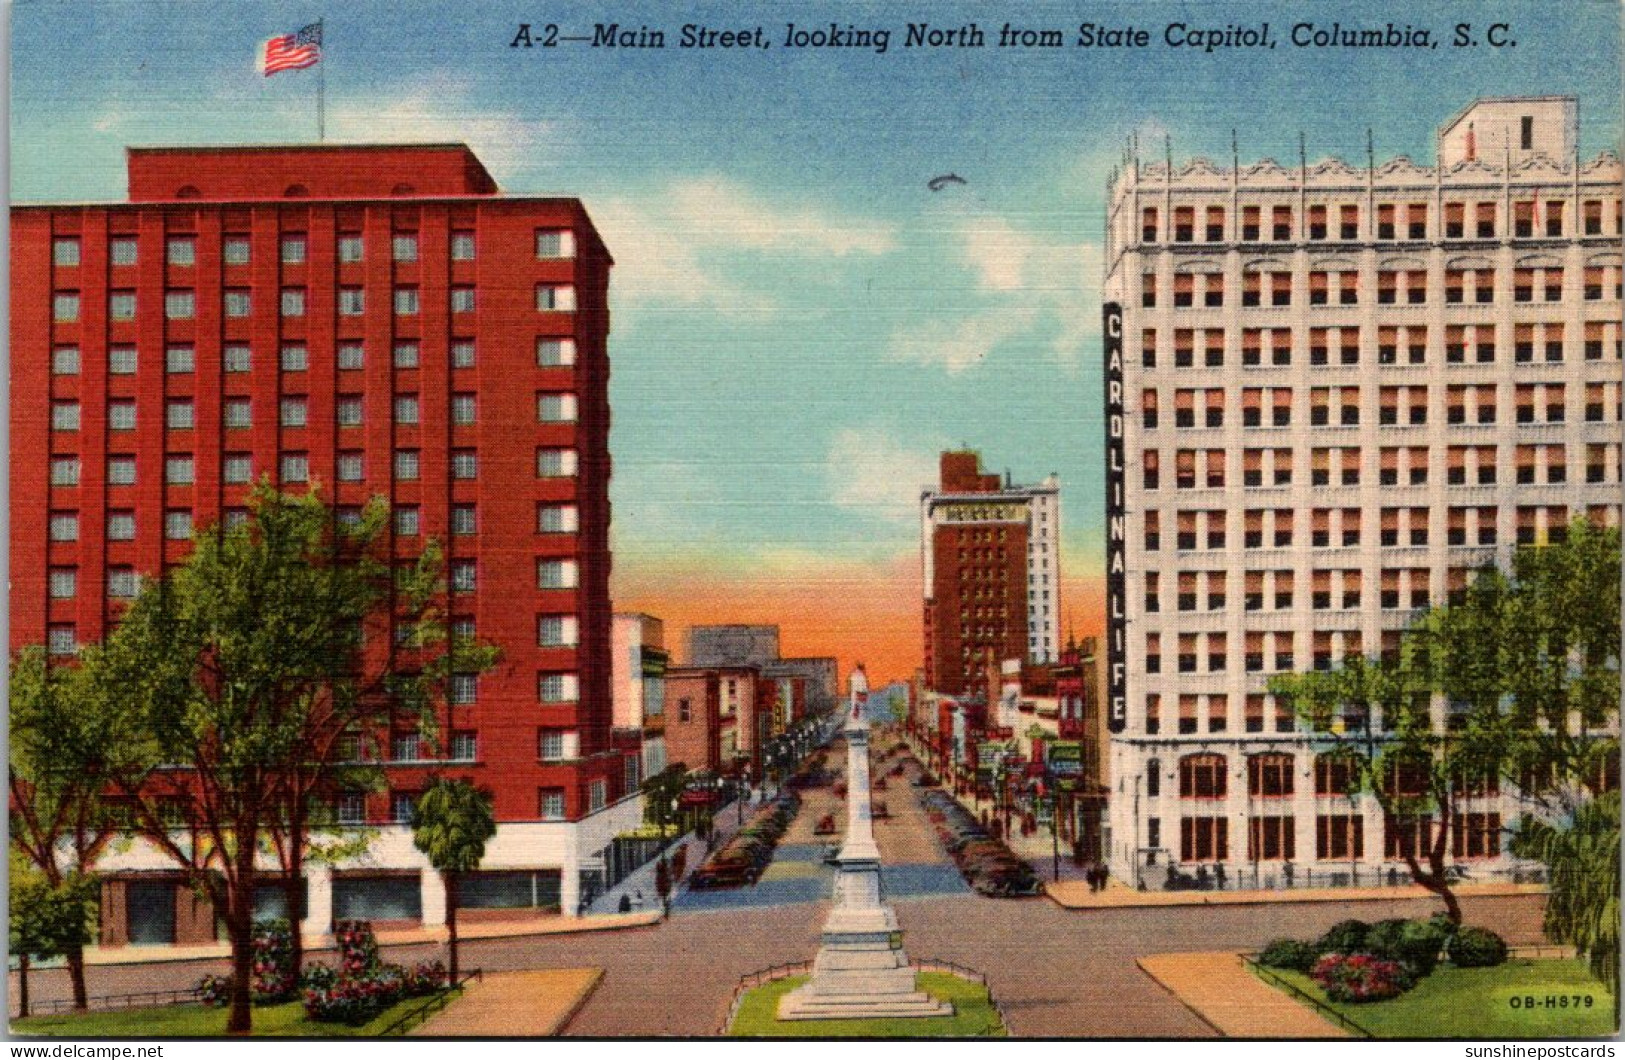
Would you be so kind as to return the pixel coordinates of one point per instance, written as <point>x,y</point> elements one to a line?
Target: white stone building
<point>1343,387</point>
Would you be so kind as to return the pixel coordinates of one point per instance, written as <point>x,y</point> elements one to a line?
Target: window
<point>122,583</point>
<point>122,251</point>
<point>120,526</point>
<point>121,305</point>
<point>178,470</point>
<point>177,525</point>
<point>462,409</point>
<point>557,631</point>
<point>560,298</point>
<point>550,804</point>
<point>351,808</point>
<point>178,414</point>
<point>555,463</point>
<point>1203,839</point>
<point>235,250</point>
<point>121,471</point>
<point>64,471</point>
<point>405,246</point>
<point>464,746</point>
<point>556,519</point>
<point>406,355</point>
<point>554,244</point>
<point>557,688</point>
<point>238,413</point>
<point>462,299</point>
<point>61,640</point>
<point>237,468</point>
<point>65,360</point>
<point>182,250</point>
<point>465,464</point>
<point>64,415</point>
<point>556,574</point>
<point>406,465</point>
<point>556,408</point>
<point>348,411</point>
<point>352,301</point>
<point>65,252</point>
<point>555,353</point>
<point>406,521</point>
<point>351,249</point>
<point>462,246</point>
<point>295,467</point>
<point>463,522</point>
<point>1202,776</point>
<point>293,250</point>
<point>63,583</point>
<point>463,576</point>
<point>293,301</point>
<point>406,409</point>
<point>352,356</point>
<point>121,415</point>
<point>403,807</point>
<point>349,467</point>
<point>464,689</point>
<point>406,301</point>
<point>1526,133</point>
<point>65,306</point>
<point>550,745</point>
<point>405,747</point>
<point>294,412</point>
<point>1269,776</point>
<point>1270,839</point>
<point>238,303</point>
<point>462,353</point>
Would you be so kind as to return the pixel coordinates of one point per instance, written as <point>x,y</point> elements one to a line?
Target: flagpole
<point>321,83</point>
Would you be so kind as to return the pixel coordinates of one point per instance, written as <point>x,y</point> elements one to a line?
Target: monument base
<point>860,977</point>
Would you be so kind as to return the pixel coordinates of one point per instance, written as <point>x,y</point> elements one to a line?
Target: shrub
<point>1384,940</point>
<point>1359,978</point>
<point>1289,954</point>
<point>214,990</point>
<point>1419,946</point>
<point>425,978</point>
<point>274,977</point>
<point>1347,936</point>
<point>1474,947</point>
<point>319,976</point>
<point>358,947</point>
<point>1445,925</point>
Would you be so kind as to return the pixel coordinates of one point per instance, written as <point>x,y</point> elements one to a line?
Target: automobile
<point>826,825</point>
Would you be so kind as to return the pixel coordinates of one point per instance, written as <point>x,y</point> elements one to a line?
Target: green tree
<point>660,792</point>
<point>272,641</point>
<point>1582,907</point>
<point>1527,667</point>
<point>48,919</point>
<point>452,826</point>
<point>58,813</point>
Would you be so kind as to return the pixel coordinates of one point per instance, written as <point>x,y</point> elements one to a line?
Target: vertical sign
<point>1116,527</point>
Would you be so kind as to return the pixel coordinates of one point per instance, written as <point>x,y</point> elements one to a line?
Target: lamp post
<point>1055,834</point>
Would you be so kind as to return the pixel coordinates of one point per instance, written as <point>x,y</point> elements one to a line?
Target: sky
<point>800,324</point>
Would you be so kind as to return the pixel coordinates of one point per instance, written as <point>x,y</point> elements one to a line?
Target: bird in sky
<point>938,183</point>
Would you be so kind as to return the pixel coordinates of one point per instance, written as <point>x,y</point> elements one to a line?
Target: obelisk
<point>861,971</point>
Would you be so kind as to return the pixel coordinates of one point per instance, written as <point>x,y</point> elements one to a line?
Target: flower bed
<point>1359,977</point>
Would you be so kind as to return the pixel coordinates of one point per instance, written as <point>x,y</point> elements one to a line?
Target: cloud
<point>694,242</point>
<point>1028,286</point>
<point>438,109</point>
<point>874,474</point>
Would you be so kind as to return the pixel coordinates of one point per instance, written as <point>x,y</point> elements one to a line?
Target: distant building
<point>991,558</point>
<point>639,686</point>
<point>733,645</point>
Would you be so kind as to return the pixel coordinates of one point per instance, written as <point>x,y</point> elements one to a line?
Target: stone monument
<point>861,971</point>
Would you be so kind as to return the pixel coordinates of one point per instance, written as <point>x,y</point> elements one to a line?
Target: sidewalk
<point>1075,894</point>
<point>515,1005</point>
<point>1230,999</point>
<point>558,925</point>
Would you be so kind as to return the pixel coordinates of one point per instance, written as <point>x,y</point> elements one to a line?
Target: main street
<point>1054,972</point>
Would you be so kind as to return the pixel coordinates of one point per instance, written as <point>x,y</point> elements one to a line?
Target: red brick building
<point>362,320</point>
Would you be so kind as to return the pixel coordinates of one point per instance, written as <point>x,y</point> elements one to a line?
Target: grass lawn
<point>974,1015</point>
<point>1486,1003</point>
<point>196,1021</point>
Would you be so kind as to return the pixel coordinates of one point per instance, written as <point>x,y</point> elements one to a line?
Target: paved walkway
<point>515,1004</point>
<point>1230,999</point>
<point>1075,894</point>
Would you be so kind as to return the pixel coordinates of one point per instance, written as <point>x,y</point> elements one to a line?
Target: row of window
<point>1398,527</point>
<point>1411,344</point>
<point>238,303</point>
<point>293,411</point>
<point>181,250</point>
<point>1328,588</point>
<point>1533,464</point>
<point>295,357</point>
<point>1394,287</point>
<point>351,808</point>
<point>1531,218</point>
<point>1341,406</point>
<point>1337,837</point>
<point>350,466</point>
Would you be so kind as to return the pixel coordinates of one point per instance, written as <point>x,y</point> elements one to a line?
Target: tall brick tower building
<point>366,321</point>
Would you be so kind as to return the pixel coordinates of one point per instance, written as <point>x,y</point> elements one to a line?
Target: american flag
<point>292,51</point>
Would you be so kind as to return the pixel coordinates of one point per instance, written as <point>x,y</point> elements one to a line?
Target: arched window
<point>188,191</point>
<point>1269,776</point>
<point>295,191</point>
<point>1334,774</point>
<point>1202,776</point>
